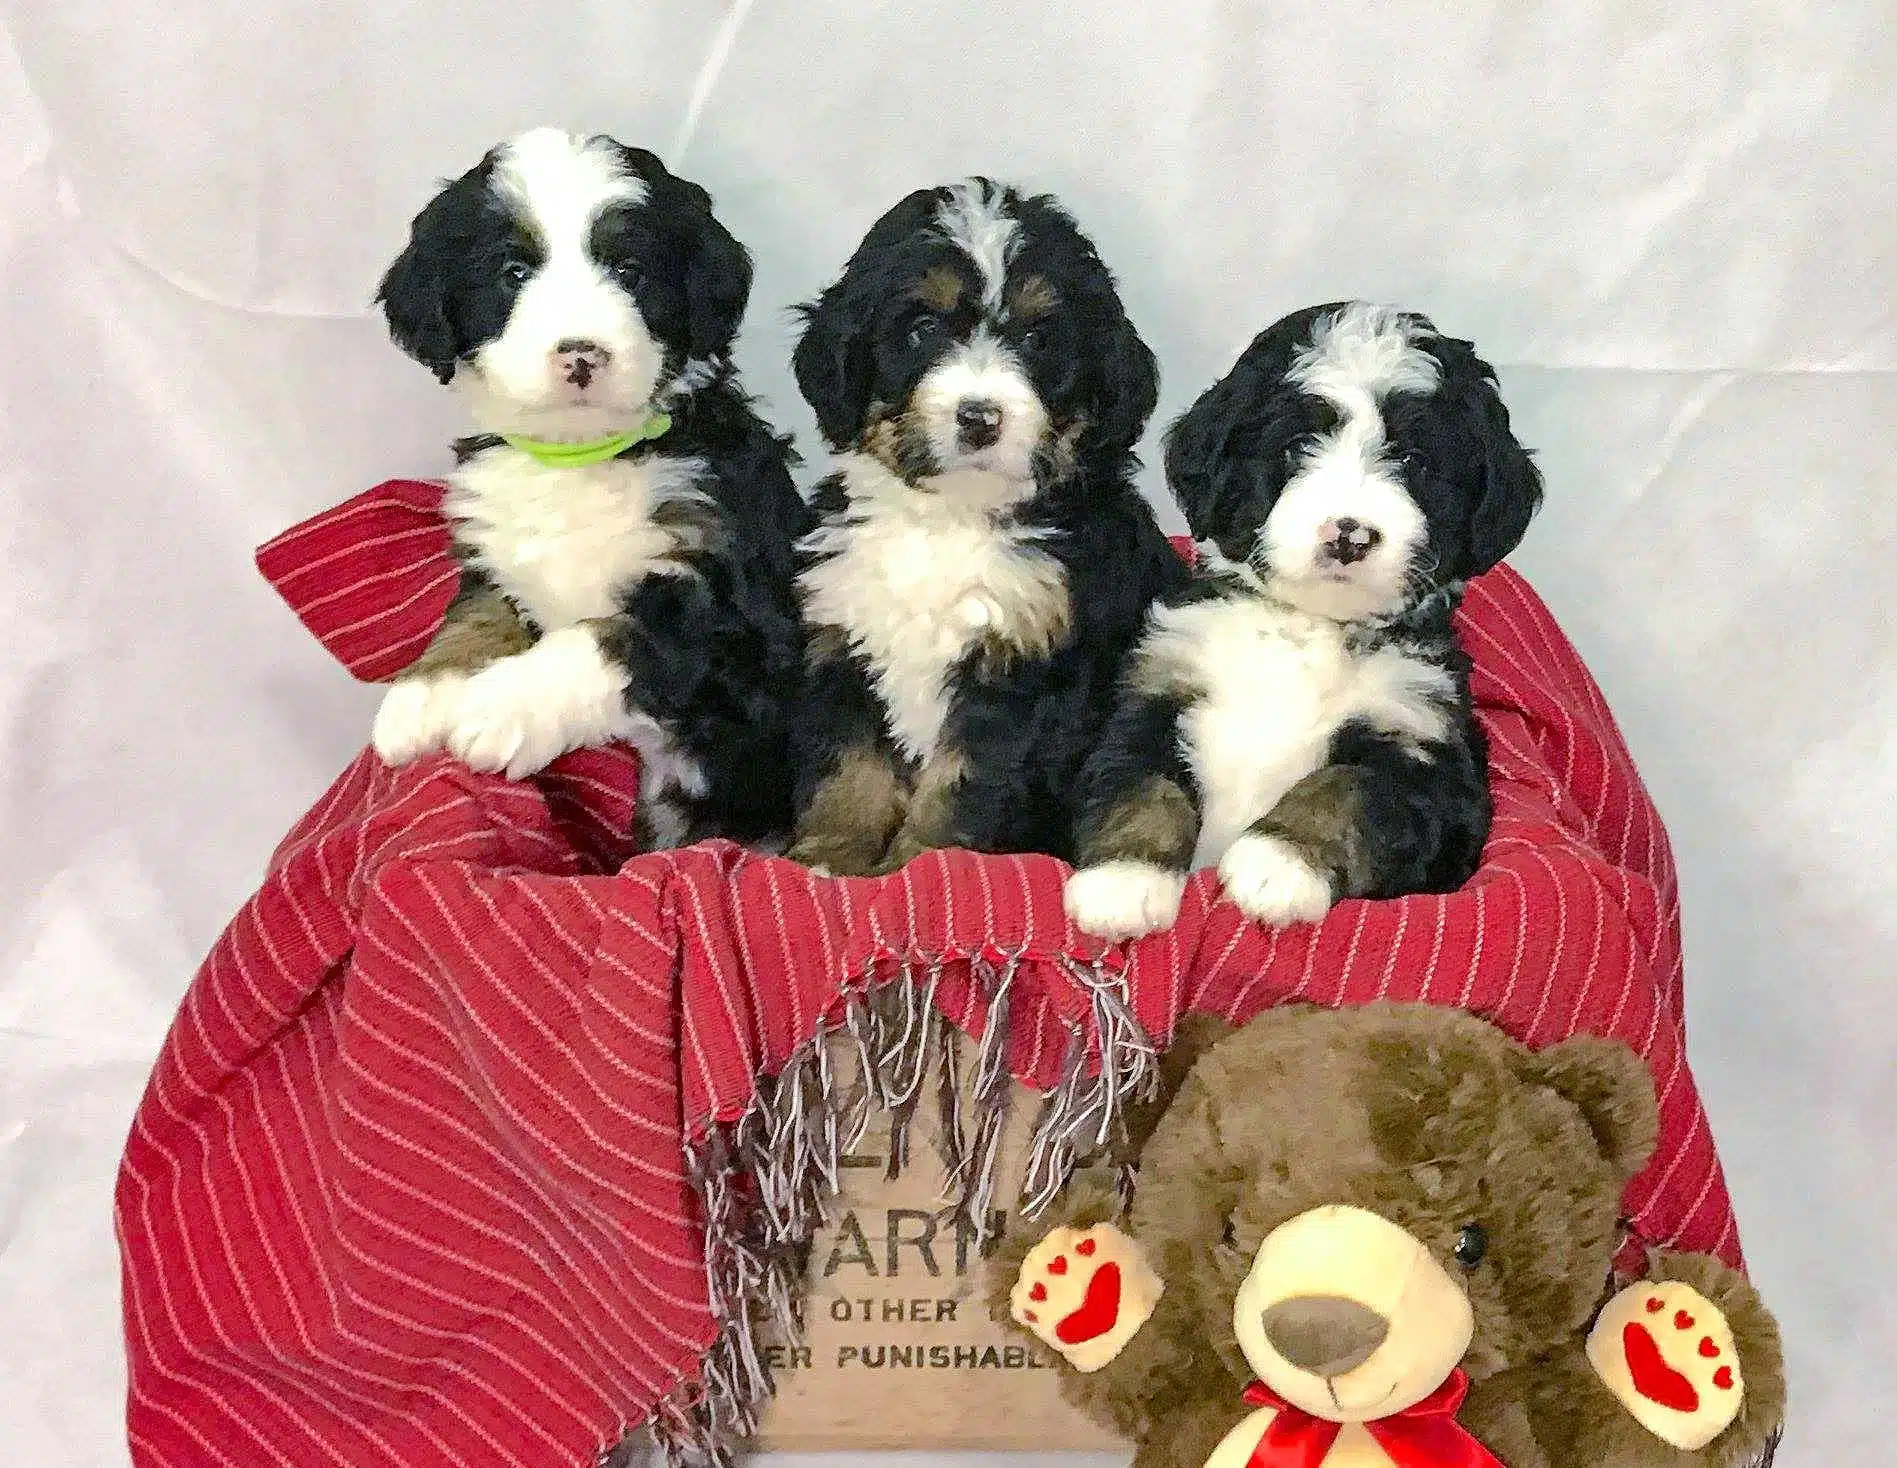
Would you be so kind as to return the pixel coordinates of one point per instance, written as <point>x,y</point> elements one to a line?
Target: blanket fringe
<point>764,1183</point>
<point>1083,1116</point>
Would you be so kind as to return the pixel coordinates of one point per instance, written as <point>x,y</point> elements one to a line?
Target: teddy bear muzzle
<point>1326,1335</point>
<point>1350,1317</point>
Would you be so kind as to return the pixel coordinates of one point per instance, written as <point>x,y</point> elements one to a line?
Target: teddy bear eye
<point>1230,1237</point>
<point>1471,1244</point>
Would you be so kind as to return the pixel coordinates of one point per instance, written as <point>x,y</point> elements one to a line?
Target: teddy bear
<point>1386,1235</point>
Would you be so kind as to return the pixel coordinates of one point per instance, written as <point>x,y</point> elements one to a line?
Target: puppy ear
<point>832,365</point>
<point>832,360</point>
<point>1129,389</point>
<point>1201,466</point>
<point>717,267</point>
<point>1511,484</point>
<point>413,294</point>
<point>717,288</point>
<point>1612,1089</point>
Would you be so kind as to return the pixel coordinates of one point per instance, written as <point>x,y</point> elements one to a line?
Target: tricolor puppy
<point>984,560</point>
<point>1299,715</point>
<point>623,519</point>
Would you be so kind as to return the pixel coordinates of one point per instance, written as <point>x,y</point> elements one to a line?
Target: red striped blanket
<point>476,1141</point>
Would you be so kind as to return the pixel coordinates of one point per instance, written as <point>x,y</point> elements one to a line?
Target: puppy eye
<point>628,273</point>
<point>1471,1245</point>
<point>1033,339</point>
<point>516,271</point>
<point>921,329</point>
<point>1229,1238</point>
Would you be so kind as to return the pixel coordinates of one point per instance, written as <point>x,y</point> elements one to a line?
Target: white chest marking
<point>566,544</point>
<point>913,581</point>
<point>1278,684</point>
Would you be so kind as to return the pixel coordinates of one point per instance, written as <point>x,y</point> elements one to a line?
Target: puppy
<point>1299,715</point>
<point>624,521</point>
<point>983,559</point>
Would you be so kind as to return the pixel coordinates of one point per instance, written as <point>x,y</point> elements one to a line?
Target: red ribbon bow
<point>1426,1435</point>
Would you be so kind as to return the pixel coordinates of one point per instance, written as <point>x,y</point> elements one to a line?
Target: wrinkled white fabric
<point>1674,228</point>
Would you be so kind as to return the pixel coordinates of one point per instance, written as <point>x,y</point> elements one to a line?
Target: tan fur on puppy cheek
<point>881,437</point>
<point>899,440</point>
<point>1058,454</point>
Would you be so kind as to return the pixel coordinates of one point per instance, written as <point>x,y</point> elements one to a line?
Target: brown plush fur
<point>1433,1119</point>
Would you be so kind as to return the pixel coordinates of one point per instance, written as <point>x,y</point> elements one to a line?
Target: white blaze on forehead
<point>1362,353</point>
<point>1356,357</point>
<point>559,182</point>
<point>973,221</point>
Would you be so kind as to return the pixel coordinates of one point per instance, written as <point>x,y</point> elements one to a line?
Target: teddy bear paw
<point>1085,1292</point>
<point>1666,1353</point>
<point>1271,883</point>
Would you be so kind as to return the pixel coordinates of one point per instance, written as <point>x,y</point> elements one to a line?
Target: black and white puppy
<point>624,520</point>
<point>1299,715</point>
<point>983,560</point>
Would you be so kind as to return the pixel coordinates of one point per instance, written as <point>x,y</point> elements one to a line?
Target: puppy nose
<point>579,360</point>
<point>979,422</point>
<point>1347,541</point>
<point>1325,1335</point>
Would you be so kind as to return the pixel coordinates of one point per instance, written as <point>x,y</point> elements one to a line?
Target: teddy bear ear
<point>1191,1038</point>
<point>1613,1090</point>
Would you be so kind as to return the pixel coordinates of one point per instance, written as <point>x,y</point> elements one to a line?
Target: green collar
<point>594,451</point>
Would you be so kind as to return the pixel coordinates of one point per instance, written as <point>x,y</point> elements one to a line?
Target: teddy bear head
<point>1360,1201</point>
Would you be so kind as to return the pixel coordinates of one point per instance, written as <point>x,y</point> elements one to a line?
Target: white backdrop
<point>1674,227</point>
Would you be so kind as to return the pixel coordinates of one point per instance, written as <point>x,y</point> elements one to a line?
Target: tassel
<point>791,1140</point>
<point>972,1184</point>
<point>1080,1118</point>
<point>905,1060</point>
<point>951,1139</point>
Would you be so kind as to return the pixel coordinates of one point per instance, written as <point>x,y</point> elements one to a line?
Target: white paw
<point>1123,899</point>
<point>415,717</point>
<point>520,714</point>
<point>1271,883</point>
